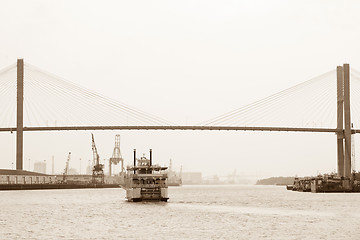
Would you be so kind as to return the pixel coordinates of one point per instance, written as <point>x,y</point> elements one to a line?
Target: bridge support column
<point>340,121</point>
<point>19,114</point>
<point>347,163</point>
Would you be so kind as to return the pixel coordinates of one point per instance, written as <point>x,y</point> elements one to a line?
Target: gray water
<point>193,212</point>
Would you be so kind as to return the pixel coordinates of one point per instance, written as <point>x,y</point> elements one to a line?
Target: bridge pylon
<point>19,114</point>
<point>343,121</point>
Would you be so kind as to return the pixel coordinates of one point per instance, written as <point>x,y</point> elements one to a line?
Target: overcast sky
<point>185,61</point>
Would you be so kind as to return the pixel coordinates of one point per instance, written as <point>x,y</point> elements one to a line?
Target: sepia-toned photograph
<point>193,119</point>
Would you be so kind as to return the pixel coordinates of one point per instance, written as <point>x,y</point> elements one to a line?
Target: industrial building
<point>24,177</point>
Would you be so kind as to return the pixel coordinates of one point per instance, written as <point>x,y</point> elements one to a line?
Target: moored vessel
<point>145,182</point>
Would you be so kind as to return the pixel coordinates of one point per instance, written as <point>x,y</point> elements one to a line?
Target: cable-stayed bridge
<point>45,102</point>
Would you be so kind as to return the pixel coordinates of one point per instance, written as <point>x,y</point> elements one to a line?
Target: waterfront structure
<point>327,183</point>
<point>87,178</point>
<point>24,177</point>
<point>26,180</point>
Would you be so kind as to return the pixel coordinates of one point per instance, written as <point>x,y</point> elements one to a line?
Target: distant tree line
<point>276,181</point>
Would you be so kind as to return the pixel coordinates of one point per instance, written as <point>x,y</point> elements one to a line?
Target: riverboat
<point>145,182</point>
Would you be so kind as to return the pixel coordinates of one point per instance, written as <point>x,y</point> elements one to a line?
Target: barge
<point>145,182</point>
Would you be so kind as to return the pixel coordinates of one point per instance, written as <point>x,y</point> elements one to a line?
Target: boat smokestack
<point>134,160</point>
<point>150,157</point>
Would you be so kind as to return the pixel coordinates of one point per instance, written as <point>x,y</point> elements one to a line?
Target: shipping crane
<point>98,172</point>
<point>66,169</point>
<point>116,157</point>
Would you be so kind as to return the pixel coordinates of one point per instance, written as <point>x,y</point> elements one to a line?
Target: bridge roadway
<point>219,128</point>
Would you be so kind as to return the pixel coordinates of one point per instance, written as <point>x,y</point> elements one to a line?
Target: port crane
<point>66,169</point>
<point>116,157</point>
<point>98,172</point>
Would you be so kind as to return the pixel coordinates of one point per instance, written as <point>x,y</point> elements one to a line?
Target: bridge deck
<point>218,128</point>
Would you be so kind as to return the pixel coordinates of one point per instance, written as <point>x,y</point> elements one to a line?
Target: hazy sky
<point>185,61</point>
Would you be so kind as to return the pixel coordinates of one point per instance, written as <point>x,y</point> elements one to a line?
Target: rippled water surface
<point>193,212</point>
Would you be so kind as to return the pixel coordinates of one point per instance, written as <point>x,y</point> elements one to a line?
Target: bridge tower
<point>116,157</point>
<point>347,132</point>
<point>343,120</point>
<point>19,114</point>
<point>340,120</point>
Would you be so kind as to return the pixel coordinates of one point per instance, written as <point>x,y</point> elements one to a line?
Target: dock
<point>327,183</point>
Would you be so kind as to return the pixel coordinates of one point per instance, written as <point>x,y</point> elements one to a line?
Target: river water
<point>193,212</point>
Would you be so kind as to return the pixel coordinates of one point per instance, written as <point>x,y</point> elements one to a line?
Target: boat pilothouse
<point>145,181</point>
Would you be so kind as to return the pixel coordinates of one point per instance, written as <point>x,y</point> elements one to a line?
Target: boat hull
<point>147,194</point>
